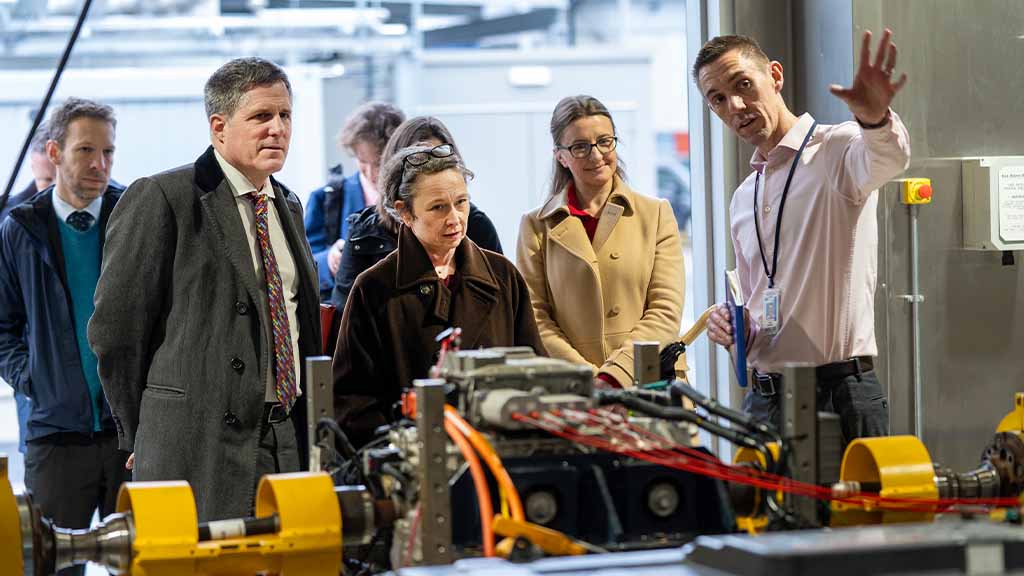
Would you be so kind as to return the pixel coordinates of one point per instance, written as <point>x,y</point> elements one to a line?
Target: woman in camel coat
<point>604,264</point>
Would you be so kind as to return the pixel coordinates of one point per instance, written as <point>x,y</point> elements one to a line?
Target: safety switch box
<point>993,203</point>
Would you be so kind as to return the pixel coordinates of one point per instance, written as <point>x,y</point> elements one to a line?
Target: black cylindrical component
<point>238,528</point>
<point>746,500</point>
<point>361,514</point>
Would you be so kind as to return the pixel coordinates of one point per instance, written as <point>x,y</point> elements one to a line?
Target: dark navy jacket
<point>38,348</point>
<point>323,234</point>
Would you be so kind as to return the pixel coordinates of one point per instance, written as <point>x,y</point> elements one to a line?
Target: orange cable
<point>483,494</point>
<point>490,457</point>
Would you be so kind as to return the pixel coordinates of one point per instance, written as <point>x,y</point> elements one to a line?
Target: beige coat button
<point>614,311</point>
<point>615,255</point>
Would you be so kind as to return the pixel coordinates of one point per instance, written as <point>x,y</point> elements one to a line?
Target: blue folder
<point>734,299</point>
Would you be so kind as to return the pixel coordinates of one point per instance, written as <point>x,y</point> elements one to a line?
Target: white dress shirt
<point>828,246</point>
<point>63,209</point>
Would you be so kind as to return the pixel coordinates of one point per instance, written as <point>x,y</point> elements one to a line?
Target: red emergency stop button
<point>917,190</point>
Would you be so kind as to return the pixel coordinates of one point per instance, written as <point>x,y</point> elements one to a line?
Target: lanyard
<point>778,217</point>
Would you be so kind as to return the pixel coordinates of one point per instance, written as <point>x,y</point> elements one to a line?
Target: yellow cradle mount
<point>900,465</point>
<point>1014,421</point>
<point>166,527</point>
<point>309,541</point>
<point>167,542</point>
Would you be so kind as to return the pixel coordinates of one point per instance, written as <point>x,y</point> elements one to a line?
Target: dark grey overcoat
<point>182,332</point>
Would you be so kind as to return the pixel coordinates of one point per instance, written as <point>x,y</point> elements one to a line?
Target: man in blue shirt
<point>364,135</point>
<point>50,251</point>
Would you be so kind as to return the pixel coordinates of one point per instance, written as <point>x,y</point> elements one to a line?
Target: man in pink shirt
<point>803,226</point>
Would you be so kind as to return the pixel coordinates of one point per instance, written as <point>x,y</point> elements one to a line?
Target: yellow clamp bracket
<point>10,525</point>
<point>552,542</point>
<point>916,190</point>
<point>166,530</point>
<point>900,465</point>
<point>166,527</point>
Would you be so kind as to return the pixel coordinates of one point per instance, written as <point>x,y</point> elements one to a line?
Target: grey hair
<point>72,109</point>
<point>227,86</point>
<point>39,139</point>
<point>396,184</point>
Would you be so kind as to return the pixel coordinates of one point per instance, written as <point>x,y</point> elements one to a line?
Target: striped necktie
<point>284,369</point>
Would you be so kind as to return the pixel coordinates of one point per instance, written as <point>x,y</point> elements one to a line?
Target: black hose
<point>41,113</point>
<point>678,389</point>
<point>631,401</point>
<point>341,441</point>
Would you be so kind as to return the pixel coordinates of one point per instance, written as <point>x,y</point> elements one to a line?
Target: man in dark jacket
<point>207,305</point>
<point>50,249</point>
<point>364,135</point>
<point>43,175</point>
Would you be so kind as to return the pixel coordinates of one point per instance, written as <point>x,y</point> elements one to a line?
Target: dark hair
<point>397,178</point>
<point>373,122</point>
<point>71,110</point>
<point>227,86</point>
<point>720,45</point>
<point>567,111</point>
<point>409,133</point>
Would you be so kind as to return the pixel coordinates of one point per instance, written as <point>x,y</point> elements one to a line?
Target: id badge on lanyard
<point>771,302</point>
<point>770,320</point>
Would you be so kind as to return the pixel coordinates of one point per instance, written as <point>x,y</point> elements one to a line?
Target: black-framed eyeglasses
<point>421,158</point>
<point>604,145</point>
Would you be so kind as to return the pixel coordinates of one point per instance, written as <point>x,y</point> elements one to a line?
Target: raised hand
<point>873,89</point>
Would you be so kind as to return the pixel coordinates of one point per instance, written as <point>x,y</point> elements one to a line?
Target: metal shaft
<point>109,545</point>
<point>915,320</point>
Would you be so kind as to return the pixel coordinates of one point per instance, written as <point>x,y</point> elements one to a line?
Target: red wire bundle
<point>611,432</point>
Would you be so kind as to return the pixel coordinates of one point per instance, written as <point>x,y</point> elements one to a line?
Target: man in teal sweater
<point>50,251</point>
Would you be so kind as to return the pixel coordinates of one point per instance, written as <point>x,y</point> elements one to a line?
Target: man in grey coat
<point>207,304</point>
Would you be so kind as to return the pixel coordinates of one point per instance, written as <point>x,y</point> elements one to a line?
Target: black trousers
<point>71,475</point>
<point>858,400</point>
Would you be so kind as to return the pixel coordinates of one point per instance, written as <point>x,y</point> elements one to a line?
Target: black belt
<point>274,413</point>
<point>839,370</point>
<point>769,383</point>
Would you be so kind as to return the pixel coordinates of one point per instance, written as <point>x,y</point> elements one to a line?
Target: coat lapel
<point>477,296</point>
<point>567,231</point>
<point>477,288</point>
<point>218,202</point>
<point>609,217</point>
<point>619,204</point>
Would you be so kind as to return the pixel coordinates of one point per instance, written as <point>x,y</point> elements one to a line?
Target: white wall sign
<point>1011,203</point>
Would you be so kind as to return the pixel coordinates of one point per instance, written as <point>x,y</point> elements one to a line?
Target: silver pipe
<point>915,320</point>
